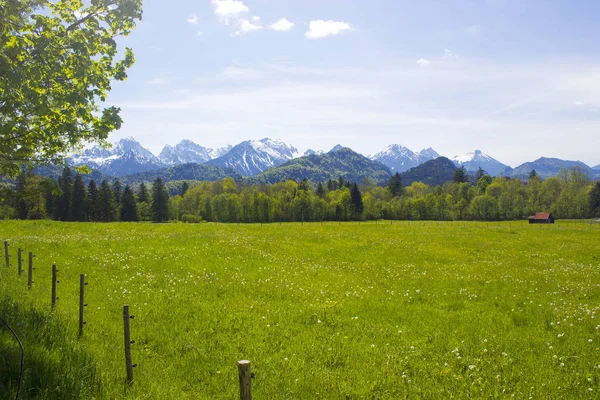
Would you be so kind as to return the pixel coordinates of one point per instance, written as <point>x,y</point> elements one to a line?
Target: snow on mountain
<point>474,160</point>
<point>189,152</point>
<point>127,156</point>
<point>399,158</point>
<point>310,152</point>
<point>255,156</point>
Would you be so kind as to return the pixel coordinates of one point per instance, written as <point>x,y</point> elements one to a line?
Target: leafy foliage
<point>57,62</point>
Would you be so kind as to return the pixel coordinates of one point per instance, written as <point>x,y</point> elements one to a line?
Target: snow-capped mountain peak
<point>476,159</point>
<point>252,157</point>
<point>399,158</point>
<point>125,157</point>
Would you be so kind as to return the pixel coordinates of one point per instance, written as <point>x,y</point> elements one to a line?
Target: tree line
<point>571,194</point>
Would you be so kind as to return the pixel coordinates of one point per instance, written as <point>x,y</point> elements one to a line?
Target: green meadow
<point>374,310</point>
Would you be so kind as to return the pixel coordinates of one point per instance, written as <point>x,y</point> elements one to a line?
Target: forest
<point>571,194</point>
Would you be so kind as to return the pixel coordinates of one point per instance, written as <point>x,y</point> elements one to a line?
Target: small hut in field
<point>541,218</point>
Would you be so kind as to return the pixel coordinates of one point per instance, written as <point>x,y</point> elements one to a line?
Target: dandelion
<point>373,346</point>
<point>590,340</point>
<point>471,367</point>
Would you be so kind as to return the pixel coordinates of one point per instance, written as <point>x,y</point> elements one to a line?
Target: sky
<point>517,79</point>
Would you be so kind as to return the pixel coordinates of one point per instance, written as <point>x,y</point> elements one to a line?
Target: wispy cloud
<point>320,29</point>
<point>282,25</point>
<point>446,107</point>
<point>246,26</point>
<point>227,10</point>
<point>449,54</point>
<point>193,19</point>
<point>423,62</point>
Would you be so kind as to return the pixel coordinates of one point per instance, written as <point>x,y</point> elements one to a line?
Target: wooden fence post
<point>81,302</point>
<point>20,261</point>
<point>54,271</point>
<point>6,257</point>
<point>245,380</point>
<point>128,362</point>
<point>30,271</point>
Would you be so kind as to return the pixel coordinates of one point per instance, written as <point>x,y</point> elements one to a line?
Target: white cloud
<point>199,34</point>
<point>192,19</point>
<point>245,26</point>
<point>423,62</point>
<point>474,30</point>
<point>449,54</point>
<point>579,103</point>
<point>229,8</point>
<point>320,29</point>
<point>282,25</point>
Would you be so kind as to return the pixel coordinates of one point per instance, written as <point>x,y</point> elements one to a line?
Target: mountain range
<point>268,160</point>
<point>399,158</point>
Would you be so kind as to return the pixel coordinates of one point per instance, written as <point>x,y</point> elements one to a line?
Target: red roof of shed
<point>540,215</point>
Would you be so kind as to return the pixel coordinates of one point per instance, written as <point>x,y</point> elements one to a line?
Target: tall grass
<point>370,310</point>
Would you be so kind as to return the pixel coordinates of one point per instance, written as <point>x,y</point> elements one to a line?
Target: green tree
<point>92,202</point>
<point>78,201</point>
<point>320,190</point>
<point>129,210</point>
<point>395,185</point>
<point>532,174</point>
<point>160,201</point>
<point>460,175</point>
<point>143,193</point>
<point>63,206</point>
<point>107,210</point>
<point>357,206</point>
<point>58,60</point>
<point>117,191</point>
<point>594,200</point>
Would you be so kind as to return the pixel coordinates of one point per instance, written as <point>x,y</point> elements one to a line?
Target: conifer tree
<point>21,204</point>
<point>320,191</point>
<point>128,205</point>
<point>107,210</point>
<point>78,201</point>
<point>160,201</point>
<point>63,206</point>
<point>184,188</point>
<point>460,175</point>
<point>595,200</point>
<point>117,191</point>
<point>356,205</point>
<point>143,196</point>
<point>395,185</point>
<point>92,202</point>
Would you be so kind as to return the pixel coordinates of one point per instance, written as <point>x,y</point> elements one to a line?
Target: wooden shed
<point>541,218</point>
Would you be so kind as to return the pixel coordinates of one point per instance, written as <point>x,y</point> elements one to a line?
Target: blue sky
<point>518,79</point>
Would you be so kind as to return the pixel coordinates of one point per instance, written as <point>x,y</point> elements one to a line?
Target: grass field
<point>350,311</point>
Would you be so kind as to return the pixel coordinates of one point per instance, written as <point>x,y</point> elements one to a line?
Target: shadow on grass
<point>56,365</point>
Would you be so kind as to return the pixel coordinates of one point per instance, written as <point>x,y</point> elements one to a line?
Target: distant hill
<point>433,172</point>
<point>597,167</point>
<point>342,162</point>
<point>548,167</point>
<point>191,172</point>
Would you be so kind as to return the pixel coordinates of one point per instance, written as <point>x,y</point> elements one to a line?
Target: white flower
<point>471,367</point>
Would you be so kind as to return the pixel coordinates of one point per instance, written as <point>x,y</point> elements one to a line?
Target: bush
<point>191,218</point>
